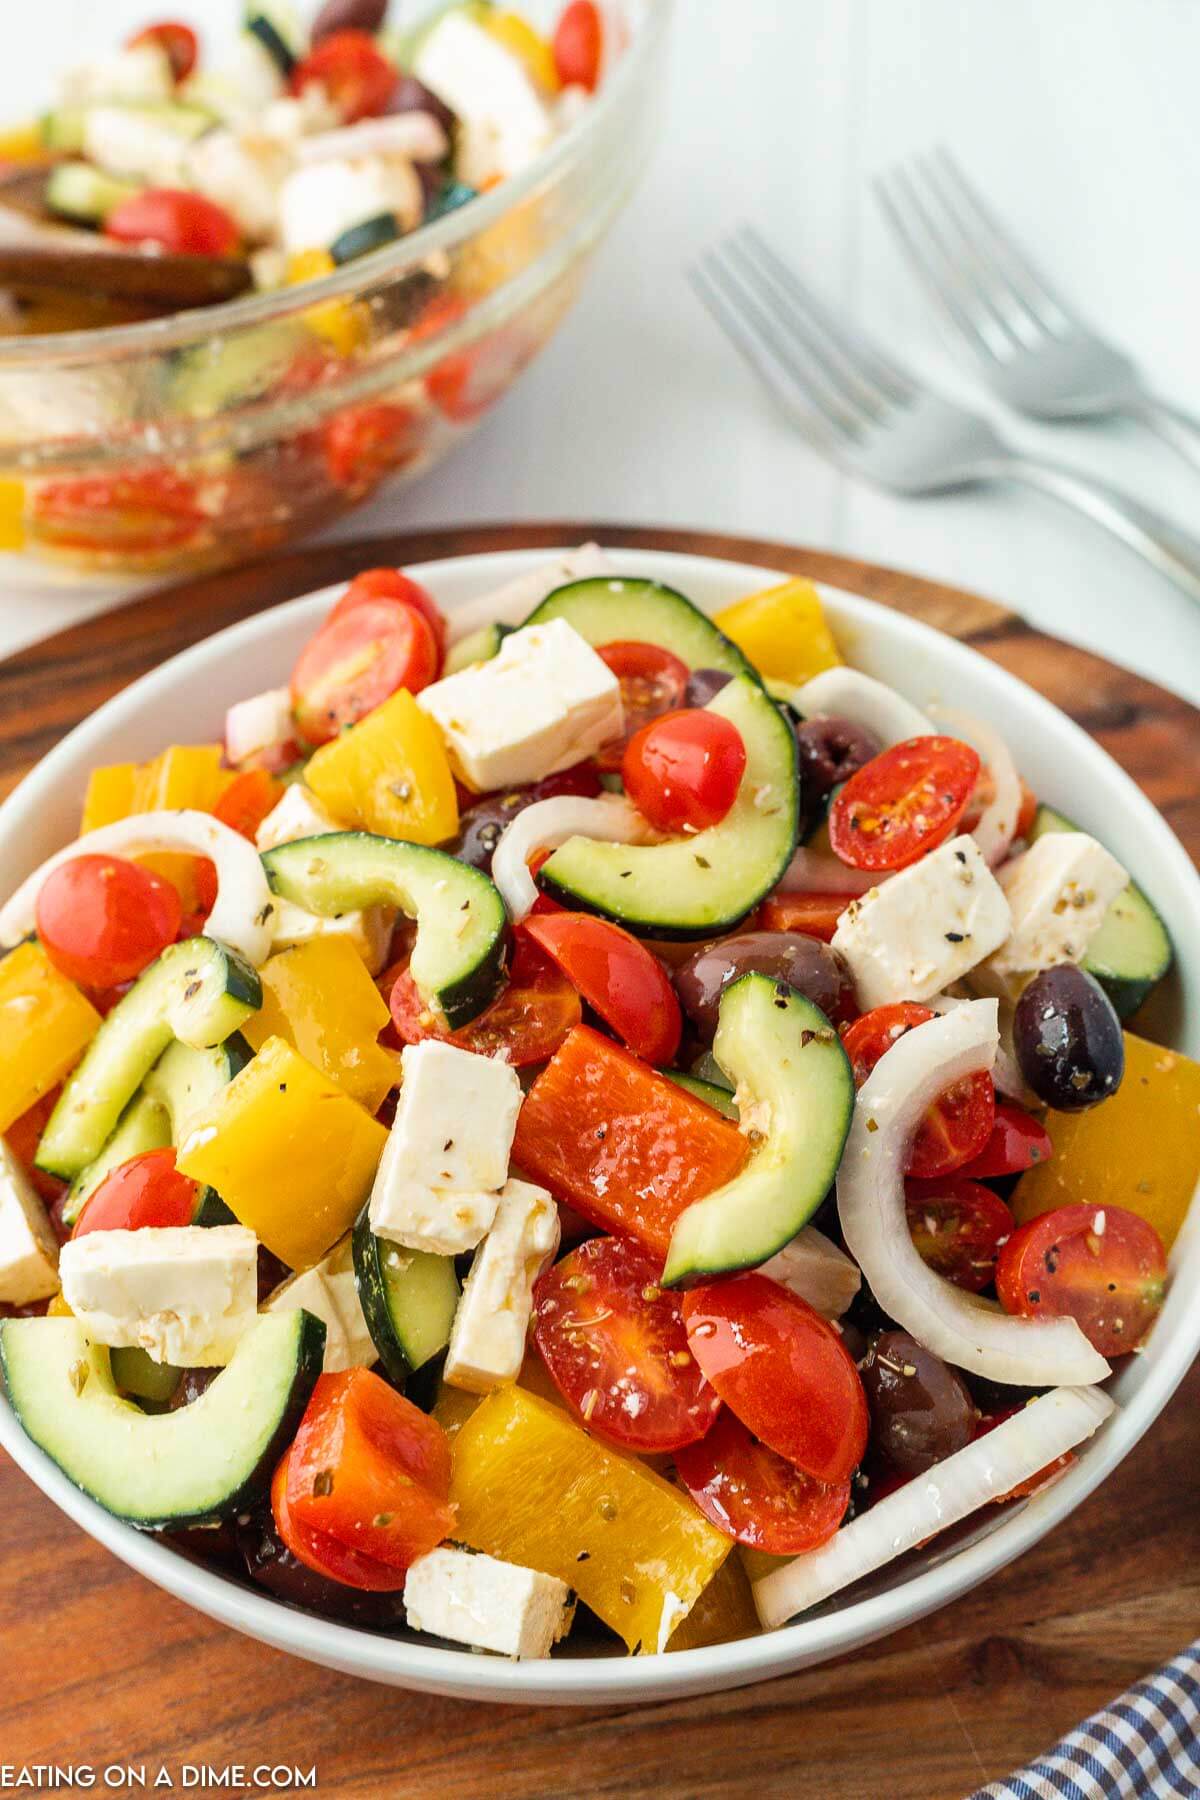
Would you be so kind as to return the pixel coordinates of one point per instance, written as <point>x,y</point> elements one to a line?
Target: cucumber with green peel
<point>719,1098</point>
<point>144,1125</point>
<point>478,646</point>
<point>369,234</point>
<point>234,368</point>
<point>796,1092</point>
<point>86,195</point>
<point>278,33</point>
<point>408,1298</point>
<point>457,961</point>
<point>610,609</point>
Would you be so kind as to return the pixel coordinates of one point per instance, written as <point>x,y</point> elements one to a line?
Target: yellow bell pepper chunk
<point>24,144</point>
<point>783,631</point>
<point>111,795</point>
<point>57,1307</point>
<point>533,1488</point>
<point>290,1153</point>
<point>45,1026</point>
<point>319,998</point>
<point>527,45</point>
<point>12,514</point>
<point>389,774</point>
<point>1140,1149</point>
<point>341,323</point>
<point>723,1613</point>
<point>184,775</point>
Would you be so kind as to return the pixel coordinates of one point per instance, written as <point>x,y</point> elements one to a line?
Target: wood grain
<point>100,1666</point>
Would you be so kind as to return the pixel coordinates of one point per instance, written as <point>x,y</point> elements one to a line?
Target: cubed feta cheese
<point>817,1271</point>
<point>299,815</point>
<point>544,702</point>
<point>329,1292</point>
<point>140,72</point>
<point>242,171</point>
<point>456,1117</point>
<point>487,1339</point>
<point>503,122</point>
<point>475,1599</point>
<point>924,927</point>
<point>1058,892</point>
<point>320,200</point>
<point>257,724</point>
<point>123,141</point>
<point>439,1220</point>
<point>185,1293</point>
<point>28,1246</point>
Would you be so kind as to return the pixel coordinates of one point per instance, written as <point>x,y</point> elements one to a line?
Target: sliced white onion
<point>417,135</point>
<point>812,872</point>
<point>513,603</point>
<point>815,1269</point>
<point>1005,1072</point>
<point>868,703</point>
<point>997,824</point>
<point>547,824</point>
<point>962,1328</point>
<point>243,915</point>
<point>985,1470</point>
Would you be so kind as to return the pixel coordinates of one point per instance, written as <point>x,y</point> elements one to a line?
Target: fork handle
<point>1173,552</point>
<point>1175,426</point>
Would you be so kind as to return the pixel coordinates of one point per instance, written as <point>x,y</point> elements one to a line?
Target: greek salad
<point>616,1122</point>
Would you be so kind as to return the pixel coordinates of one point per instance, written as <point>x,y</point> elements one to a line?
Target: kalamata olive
<point>816,969</point>
<point>347,15</point>
<point>703,684</point>
<point>1068,1039</point>
<point>921,1408</point>
<point>480,827</point>
<point>411,95</point>
<point>271,1564</point>
<point>831,750</point>
<point>192,1383</point>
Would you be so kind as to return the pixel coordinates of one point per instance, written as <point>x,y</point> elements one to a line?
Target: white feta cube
<point>320,200</point>
<point>487,1339</point>
<point>257,724</point>
<point>426,1218</point>
<point>456,1117</point>
<point>185,1294</point>
<point>241,171</point>
<point>924,927</point>
<point>139,72</point>
<point>491,1605</point>
<point>125,142</point>
<point>544,702</point>
<point>329,1292</point>
<point>1058,892</point>
<point>299,815</point>
<point>815,1269</point>
<point>28,1246</point>
<point>503,121</point>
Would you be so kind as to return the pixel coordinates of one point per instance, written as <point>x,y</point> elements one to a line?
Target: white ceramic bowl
<point>187,697</point>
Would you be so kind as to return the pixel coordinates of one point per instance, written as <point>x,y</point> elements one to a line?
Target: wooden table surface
<point>100,1667</point>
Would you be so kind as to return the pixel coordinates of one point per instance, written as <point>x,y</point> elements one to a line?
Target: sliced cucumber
<point>187,1080</point>
<point>606,609</point>
<point>198,991</point>
<point>196,1466</point>
<point>458,958</point>
<point>234,368</point>
<point>66,129</point>
<point>449,198</point>
<point>719,1098</point>
<point>79,191</point>
<point>144,1125</point>
<point>796,1091</point>
<point>369,234</point>
<point>408,1298</point>
<point>278,43</point>
<point>478,646</point>
<point>701,885</point>
<point>1131,952</point>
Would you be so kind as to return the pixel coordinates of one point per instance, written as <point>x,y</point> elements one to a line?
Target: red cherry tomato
<point>783,1370</point>
<point>1028,812</point>
<point>1104,1267</point>
<point>958,1227</point>
<point>526,1023</point>
<point>102,920</point>
<point>355,73</point>
<point>683,770</point>
<point>362,444</point>
<point>146,1190</point>
<point>1018,1141</point>
<point>355,662</point>
<point>246,802</point>
<point>757,1497</point>
<point>816,915</point>
<point>957,1125</point>
<point>616,1348</point>
<point>902,803</point>
<point>179,221</point>
<point>579,44</point>
<point>617,976</point>
<point>325,1554</point>
<point>179,42</point>
<point>652,682</point>
<point>393,584</point>
<point>137,511</point>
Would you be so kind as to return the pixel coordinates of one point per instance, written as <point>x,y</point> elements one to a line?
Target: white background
<point>1079,117</point>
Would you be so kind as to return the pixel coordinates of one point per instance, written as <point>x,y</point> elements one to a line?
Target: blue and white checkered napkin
<point>1143,1746</point>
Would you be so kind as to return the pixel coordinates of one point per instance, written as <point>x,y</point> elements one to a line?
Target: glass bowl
<point>211,436</point>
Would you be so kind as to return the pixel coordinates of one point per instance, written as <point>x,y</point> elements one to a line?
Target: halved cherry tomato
<point>958,1227</point>
<point>957,1125</point>
<point>652,682</point>
<point>616,1348</point>
<point>816,915</point>
<point>683,770</point>
<point>1032,1483</point>
<point>247,800</point>
<point>176,219</point>
<point>783,1370</point>
<point>393,584</point>
<point>526,1023</point>
<point>1102,1266</point>
<point>140,510</point>
<point>23,1137</point>
<point>579,44</point>
<point>204,879</point>
<point>102,919</point>
<point>1018,1141</point>
<point>902,803</point>
<point>178,41</point>
<point>148,1190</point>
<point>355,73</point>
<point>467,382</point>
<point>325,1554</point>
<point>617,976</point>
<point>370,1469</point>
<point>756,1496</point>
<point>356,661</point>
<point>364,443</point>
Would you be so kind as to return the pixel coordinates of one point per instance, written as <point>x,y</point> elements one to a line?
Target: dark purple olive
<point>831,750</point>
<point>921,1408</point>
<point>192,1383</point>
<point>1068,1039</point>
<point>271,1565</point>
<point>805,963</point>
<point>411,95</point>
<point>347,15</point>
<point>702,684</point>
<point>480,827</point>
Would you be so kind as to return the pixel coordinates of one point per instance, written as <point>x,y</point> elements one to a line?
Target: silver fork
<point>862,411</point>
<point>1032,350</point>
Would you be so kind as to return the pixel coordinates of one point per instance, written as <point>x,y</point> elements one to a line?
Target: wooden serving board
<point>101,1667</point>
